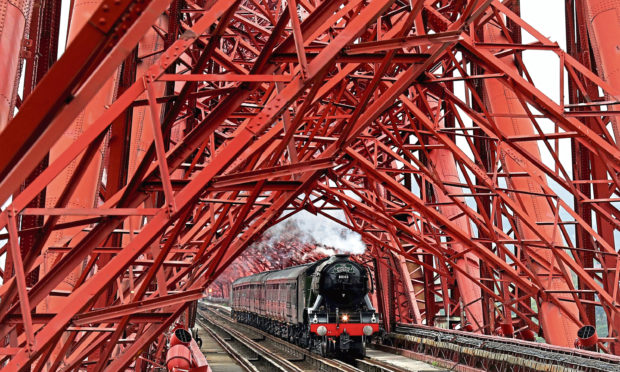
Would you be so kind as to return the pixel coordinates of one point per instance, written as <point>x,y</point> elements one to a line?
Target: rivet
<point>102,21</point>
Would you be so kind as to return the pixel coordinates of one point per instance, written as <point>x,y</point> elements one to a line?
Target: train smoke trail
<point>329,236</point>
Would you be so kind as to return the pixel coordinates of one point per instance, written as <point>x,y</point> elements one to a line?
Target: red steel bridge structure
<point>170,135</point>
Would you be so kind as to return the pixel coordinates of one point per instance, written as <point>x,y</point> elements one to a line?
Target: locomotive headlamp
<point>345,318</point>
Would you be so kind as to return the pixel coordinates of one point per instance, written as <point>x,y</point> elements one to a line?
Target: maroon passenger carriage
<point>323,306</point>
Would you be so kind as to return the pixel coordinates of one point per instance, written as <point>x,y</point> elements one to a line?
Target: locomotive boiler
<point>323,305</point>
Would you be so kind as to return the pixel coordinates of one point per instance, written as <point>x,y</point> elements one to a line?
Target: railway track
<point>256,350</point>
<point>237,356</point>
<point>467,352</point>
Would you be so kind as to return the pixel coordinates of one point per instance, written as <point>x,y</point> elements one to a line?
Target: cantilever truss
<point>492,202</point>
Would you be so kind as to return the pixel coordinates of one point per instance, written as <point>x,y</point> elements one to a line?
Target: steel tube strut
<point>557,327</point>
<point>471,297</point>
<point>603,21</point>
<point>14,16</point>
<point>85,193</point>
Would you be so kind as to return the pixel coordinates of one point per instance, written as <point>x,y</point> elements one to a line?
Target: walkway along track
<point>270,352</point>
<point>493,353</point>
<point>251,355</point>
<point>243,362</point>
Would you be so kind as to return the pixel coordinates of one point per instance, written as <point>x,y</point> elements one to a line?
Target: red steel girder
<point>382,109</point>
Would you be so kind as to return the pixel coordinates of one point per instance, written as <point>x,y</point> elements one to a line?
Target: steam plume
<point>320,231</point>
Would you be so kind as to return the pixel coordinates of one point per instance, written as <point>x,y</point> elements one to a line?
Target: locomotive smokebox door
<point>342,282</point>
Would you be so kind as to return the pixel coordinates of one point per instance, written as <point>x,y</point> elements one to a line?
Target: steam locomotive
<point>323,306</point>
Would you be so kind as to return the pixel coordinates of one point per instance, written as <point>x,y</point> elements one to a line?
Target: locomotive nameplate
<point>344,269</point>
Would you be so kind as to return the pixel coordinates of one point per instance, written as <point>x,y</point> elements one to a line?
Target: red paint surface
<point>415,123</point>
<point>353,329</point>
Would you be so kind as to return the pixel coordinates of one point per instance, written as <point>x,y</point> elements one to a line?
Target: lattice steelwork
<point>171,134</point>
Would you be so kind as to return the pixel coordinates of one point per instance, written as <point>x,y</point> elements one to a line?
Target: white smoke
<point>326,251</point>
<point>329,236</point>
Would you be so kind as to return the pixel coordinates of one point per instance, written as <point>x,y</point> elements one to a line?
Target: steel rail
<point>267,355</point>
<point>243,362</point>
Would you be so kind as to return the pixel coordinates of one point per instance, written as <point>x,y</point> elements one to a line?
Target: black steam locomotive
<point>323,306</point>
